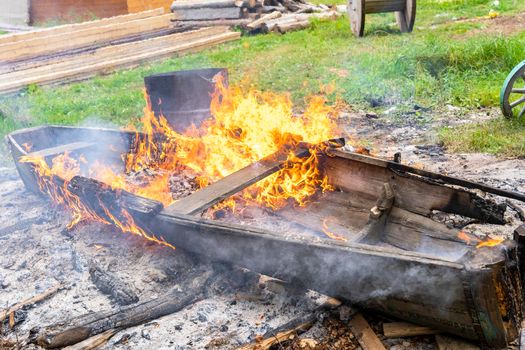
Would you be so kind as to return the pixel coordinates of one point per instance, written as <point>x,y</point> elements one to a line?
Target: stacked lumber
<point>79,51</point>
<point>248,14</point>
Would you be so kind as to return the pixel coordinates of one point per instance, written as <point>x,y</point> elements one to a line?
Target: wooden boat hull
<point>477,294</point>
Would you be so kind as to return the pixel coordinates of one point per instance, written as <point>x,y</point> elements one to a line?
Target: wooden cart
<point>405,13</point>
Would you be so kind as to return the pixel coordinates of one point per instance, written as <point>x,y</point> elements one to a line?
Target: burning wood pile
<point>256,16</point>
<point>258,191</point>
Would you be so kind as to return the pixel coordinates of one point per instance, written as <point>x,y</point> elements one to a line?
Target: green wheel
<point>512,96</point>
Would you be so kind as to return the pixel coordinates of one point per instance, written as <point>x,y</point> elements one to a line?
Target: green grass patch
<point>500,136</point>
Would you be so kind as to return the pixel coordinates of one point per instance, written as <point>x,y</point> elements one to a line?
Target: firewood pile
<point>255,16</point>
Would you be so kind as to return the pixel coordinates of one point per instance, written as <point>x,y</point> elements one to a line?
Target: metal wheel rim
<point>512,96</point>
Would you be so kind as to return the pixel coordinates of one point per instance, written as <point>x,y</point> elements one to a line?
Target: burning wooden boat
<point>380,249</point>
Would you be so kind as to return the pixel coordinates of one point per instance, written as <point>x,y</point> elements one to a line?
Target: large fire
<point>246,126</point>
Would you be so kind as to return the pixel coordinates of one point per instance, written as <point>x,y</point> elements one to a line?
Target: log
<point>80,328</point>
<point>27,303</point>
<point>207,14</point>
<point>364,334</point>
<point>111,285</point>
<point>231,184</point>
<point>288,27</point>
<point>95,342</point>
<point>405,329</point>
<point>258,22</point>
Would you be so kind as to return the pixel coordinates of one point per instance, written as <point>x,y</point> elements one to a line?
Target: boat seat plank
<point>55,151</point>
<point>231,184</point>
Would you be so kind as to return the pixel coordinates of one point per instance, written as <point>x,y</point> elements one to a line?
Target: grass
<point>439,63</point>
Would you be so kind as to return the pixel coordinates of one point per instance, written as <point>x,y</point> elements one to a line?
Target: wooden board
<point>81,38</point>
<point>120,59</point>
<point>420,195</point>
<point>207,14</point>
<point>70,28</point>
<point>451,343</point>
<point>54,151</point>
<point>231,184</point>
<point>45,11</point>
<point>143,5</point>
<point>364,334</point>
<point>405,329</point>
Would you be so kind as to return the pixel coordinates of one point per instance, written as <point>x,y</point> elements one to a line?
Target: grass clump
<point>500,136</point>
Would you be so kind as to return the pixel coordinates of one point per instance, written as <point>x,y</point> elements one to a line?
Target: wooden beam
<point>405,329</point>
<point>70,28</point>
<point>231,184</point>
<point>364,334</point>
<point>215,4</point>
<point>95,342</point>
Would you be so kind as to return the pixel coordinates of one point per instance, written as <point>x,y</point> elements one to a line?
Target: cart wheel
<point>407,17</point>
<point>512,96</point>
<point>356,14</point>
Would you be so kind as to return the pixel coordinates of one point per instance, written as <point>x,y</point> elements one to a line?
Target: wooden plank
<point>69,28</point>
<point>445,342</point>
<point>86,37</point>
<point>194,4</point>
<point>207,14</point>
<point>414,193</point>
<point>54,151</point>
<point>231,184</point>
<point>108,52</point>
<point>364,334</point>
<point>405,329</point>
<point>85,71</point>
<point>39,66</point>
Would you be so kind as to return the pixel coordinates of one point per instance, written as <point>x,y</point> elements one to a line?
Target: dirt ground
<point>37,252</point>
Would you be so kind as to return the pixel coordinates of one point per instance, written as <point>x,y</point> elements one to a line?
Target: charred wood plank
<point>431,175</point>
<point>364,334</point>
<point>95,342</point>
<point>451,343</point>
<point>231,184</point>
<point>27,303</point>
<point>416,193</point>
<point>93,192</point>
<point>111,285</point>
<point>78,329</point>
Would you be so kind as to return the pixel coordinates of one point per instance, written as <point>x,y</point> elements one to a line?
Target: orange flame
<point>490,242</point>
<point>329,233</point>
<point>246,126</point>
